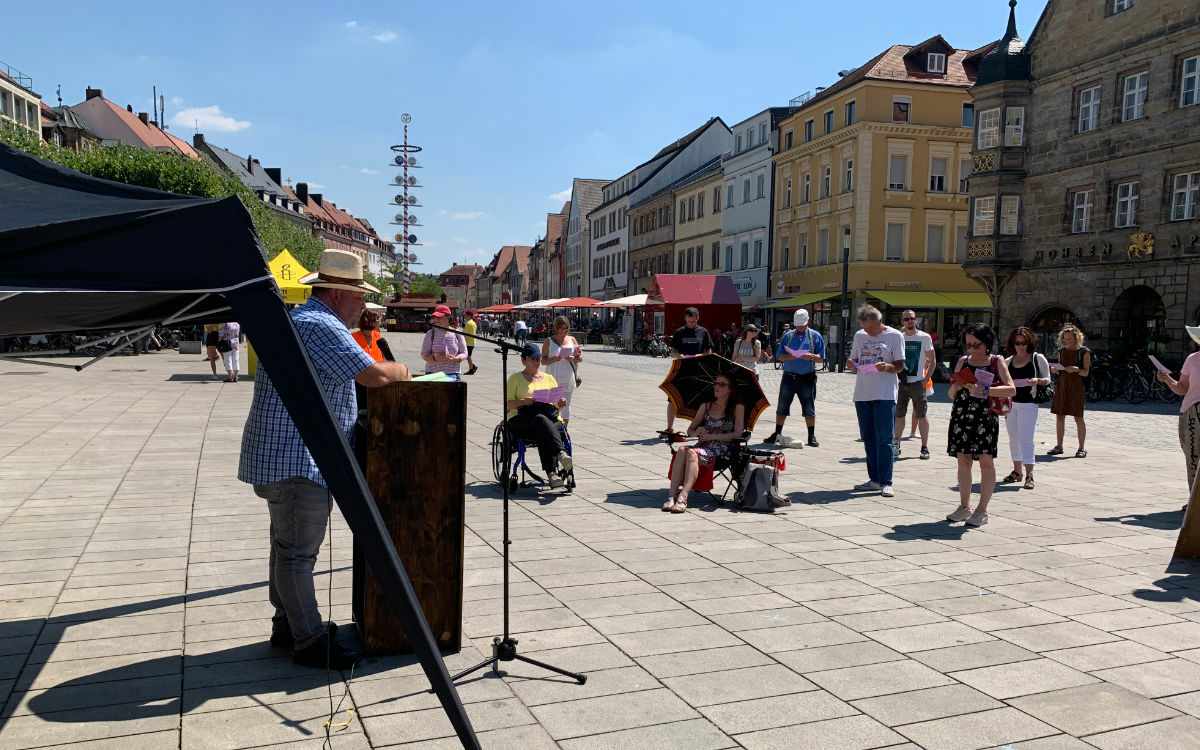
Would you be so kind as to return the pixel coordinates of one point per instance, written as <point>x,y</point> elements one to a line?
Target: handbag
<point>997,405</point>
<point>1043,393</point>
<point>224,345</point>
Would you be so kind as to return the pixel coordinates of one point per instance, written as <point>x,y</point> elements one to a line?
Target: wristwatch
<point>986,388</point>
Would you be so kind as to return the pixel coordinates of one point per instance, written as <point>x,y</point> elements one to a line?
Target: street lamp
<point>845,307</point>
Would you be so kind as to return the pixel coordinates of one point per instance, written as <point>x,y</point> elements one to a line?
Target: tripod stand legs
<point>506,650</point>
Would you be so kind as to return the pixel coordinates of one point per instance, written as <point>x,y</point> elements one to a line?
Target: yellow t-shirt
<point>518,388</point>
<point>469,328</point>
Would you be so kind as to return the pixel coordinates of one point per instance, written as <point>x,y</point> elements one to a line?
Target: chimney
<point>129,108</point>
<point>91,93</point>
<point>250,164</point>
<point>144,117</point>
<point>276,175</point>
<point>302,191</point>
<point>198,141</point>
<point>316,197</point>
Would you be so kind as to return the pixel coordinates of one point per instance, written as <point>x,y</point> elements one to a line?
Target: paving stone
<point>1180,733</point>
<point>1165,637</point>
<point>1105,655</point>
<point>1022,678</point>
<point>776,711</point>
<point>836,657</point>
<point>1092,708</point>
<point>934,635</point>
<point>696,734</point>
<point>737,685</point>
<point>848,733</point>
<point>987,729</point>
<point>611,713</point>
<point>703,660</point>
<point>925,704</point>
<point>852,683</point>
<point>1155,679</point>
<point>792,637</point>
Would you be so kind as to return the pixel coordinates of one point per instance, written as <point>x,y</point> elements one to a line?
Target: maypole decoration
<point>405,160</point>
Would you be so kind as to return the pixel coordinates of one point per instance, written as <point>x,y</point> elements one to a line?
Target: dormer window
<point>935,62</point>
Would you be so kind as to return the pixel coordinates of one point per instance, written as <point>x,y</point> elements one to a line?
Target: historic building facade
<point>1086,174</point>
<point>698,228</point>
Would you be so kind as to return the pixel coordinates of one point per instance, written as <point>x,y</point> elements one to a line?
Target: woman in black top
<point>1029,369</point>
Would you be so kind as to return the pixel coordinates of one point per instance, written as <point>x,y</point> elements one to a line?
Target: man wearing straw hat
<point>275,460</point>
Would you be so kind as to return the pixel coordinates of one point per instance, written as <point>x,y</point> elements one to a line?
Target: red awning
<point>497,308</point>
<point>576,302</point>
<point>683,289</point>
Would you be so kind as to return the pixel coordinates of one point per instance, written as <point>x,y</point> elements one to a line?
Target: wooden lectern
<point>414,459</point>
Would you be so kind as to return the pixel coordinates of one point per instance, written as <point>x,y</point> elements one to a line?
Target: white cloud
<point>384,37</point>
<point>563,196</point>
<point>208,119</point>
<point>464,215</point>
<point>442,212</point>
<point>366,170</point>
<point>315,186</point>
<point>461,240</point>
<point>177,100</point>
<point>351,24</point>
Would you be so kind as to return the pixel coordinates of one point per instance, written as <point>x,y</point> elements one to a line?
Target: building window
<point>787,193</point>
<point>691,261</point>
<point>681,261</point>
<point>848,185</point>
<point>1089,109</point>
<point>829,122</point>
<point>897,172</point>
<point>935,63</point>
<point>762,133</point>
<point>729,196</point>
<point>825,180</point>
<point>738,149</point>
<point>691,208</point>
<point>745,255</point>
<point>895,242</point>
<point>1081,217</point>
<point>716,255</point>
<point>1184,195</point>
<point>758,259</point>
<point>822,246</point>
<point>989,128</point>
<point>968,115</point>
<point>699,258</point>
<point>985,217</point>
<point>700,206</point>
<point>1014,126</point>
<point>901,108</point>
<point>1127,203</point>
<point>1189,82</point>
<point>729,257</point>
<point>935,241</point>
<point>750,138</point>
<point>849,114</point>
<point>808,130</point>
<point>785,253</point>
<point>4,103</point>
<point>762,186</point>
<point>807,185</point>
<point>937,174</point>
<point>1010,207</point>
<point>716,200</point>
<point>803,259</point>
<point>960,245</point>
<point>1135,96</point>
<point>964,172</point>
<point>1120,5</point>
<point>787,140</point>
<point>682,211</point>
<point>746,190</point>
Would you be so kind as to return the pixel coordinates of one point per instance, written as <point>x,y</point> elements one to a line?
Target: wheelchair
<point>506,468</point>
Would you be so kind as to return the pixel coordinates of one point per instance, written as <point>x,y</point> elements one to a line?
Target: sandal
<point>669,505</point>
<point>1029,482</point>
<point>1081,453</point>
<point>1014,476</point>
<point>1055,451</point>
<point>680,505</point>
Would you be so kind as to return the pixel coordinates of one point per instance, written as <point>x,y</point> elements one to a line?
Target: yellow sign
<point>288,272</point>
<point>1141,245</point>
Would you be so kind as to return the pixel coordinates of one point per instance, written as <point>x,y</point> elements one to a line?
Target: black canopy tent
<point>80,253</point>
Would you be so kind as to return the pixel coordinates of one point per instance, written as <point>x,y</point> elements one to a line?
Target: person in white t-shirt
<point>877,354</point>
<point>918,364</point>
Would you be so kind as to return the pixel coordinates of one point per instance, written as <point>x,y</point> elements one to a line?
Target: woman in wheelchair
<point>717,423</point>
<point>533,419</point>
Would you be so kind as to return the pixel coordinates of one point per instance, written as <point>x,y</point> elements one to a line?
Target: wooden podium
<point>413,455</point>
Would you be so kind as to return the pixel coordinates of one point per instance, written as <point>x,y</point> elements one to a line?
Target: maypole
<point>405,160</point>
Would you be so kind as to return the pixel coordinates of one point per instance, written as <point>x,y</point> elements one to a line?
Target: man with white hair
<point>801,349</point>
<point>876,355</point>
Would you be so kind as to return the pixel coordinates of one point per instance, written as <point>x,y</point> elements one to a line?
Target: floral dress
<point>974,428</point>
<point>708,451</point>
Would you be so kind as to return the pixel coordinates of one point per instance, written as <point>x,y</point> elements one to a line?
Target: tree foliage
<point>175,173</point>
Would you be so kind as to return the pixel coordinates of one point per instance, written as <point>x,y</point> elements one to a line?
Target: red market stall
<point>714,296</point>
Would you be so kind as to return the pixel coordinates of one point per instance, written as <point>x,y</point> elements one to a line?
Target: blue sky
<point>509,100</point>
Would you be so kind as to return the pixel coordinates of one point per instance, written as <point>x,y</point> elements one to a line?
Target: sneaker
<point>978,518</point>
<point>887,491</point>
<point>556,482</point>
<point>771,438</point>
<point>812,443</point>
<point>960,514</point>
<point>869,485</point>
<point>924,453</point>
<point>323,653</point>
<point>564,462</point>
<point>472,370</point>
<point>896,449</point>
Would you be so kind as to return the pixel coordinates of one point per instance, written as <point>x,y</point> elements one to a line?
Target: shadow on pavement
<point>1164,519</point>
<point>931,530</point>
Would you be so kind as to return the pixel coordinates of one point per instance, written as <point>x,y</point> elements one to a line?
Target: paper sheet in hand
<point>548,395</point>
<point>1158,365</point>
<point>797,353</point>
<point>566,351</point>
<point>964,376</point>
<point>1021,382</point>
<point>866,367</point>
<point>984,378</point>
<point>1056,367</point>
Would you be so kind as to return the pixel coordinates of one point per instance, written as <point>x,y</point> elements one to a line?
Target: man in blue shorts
<point>799,374</point>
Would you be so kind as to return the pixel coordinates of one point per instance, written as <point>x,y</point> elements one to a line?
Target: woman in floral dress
<point>717,423</point>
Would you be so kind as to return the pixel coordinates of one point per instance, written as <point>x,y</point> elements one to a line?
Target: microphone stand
<point>505,648</point>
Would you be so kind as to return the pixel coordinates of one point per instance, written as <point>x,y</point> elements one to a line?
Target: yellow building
<point>20,105</point>
<point>697,200</point>
<point>877,164</point>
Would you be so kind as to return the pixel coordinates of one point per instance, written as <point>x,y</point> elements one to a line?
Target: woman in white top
<point>747,351</point>
<point>561,355</point>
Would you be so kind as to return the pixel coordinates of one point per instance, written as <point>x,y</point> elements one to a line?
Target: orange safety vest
<point>371,347</point>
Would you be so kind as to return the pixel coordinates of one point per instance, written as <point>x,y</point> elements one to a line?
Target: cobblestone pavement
<point>133,608</point>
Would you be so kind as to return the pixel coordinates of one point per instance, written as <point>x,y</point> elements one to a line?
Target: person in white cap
<point>1188,386</point>
<point>799,374</point>
<point>276,461</point>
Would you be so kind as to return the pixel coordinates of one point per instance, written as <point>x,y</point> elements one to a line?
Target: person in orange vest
<point>369,337</point>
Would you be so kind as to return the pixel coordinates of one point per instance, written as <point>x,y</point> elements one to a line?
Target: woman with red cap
<point>443,351</point>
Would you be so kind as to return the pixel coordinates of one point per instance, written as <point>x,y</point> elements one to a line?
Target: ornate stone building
<point>1086,173</point>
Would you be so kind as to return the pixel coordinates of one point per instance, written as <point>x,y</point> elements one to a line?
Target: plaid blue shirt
<point>272,449</point>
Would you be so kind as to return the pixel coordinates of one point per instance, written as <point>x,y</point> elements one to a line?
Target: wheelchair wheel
<point>499,459</point>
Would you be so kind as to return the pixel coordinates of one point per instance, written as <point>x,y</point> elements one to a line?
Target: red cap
<point>440,311</point>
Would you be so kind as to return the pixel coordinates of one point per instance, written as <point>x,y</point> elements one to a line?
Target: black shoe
<point>771,438</point>
<point>812,442</point>
<point>282,638</point>
<point>472,370</point>
<point>324,653</point>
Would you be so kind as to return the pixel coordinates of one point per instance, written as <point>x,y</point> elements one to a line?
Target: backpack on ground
<point>760,489</point>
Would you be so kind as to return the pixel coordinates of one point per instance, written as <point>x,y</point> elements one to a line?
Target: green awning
<point>972,300</point>
<point>801,300</point>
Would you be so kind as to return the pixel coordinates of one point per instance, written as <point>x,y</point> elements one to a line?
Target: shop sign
<point>744,284</point>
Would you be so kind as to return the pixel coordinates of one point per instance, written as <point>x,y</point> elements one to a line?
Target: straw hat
<point>1194,332</point>
<point>339,270</point>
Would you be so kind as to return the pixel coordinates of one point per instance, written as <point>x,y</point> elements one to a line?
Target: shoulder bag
<point>997,405</point>
<point>1042,393</point>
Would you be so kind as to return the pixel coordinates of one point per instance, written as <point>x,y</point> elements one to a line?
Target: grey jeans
<point>299,510</point>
